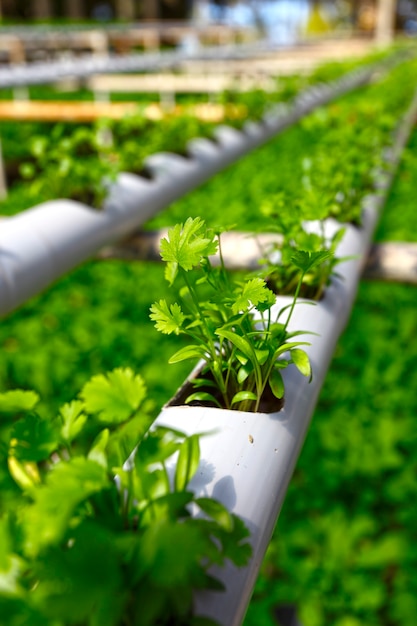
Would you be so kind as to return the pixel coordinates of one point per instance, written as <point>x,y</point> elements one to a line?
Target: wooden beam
<point>391,262</point>
<point>394,261</point>
<point>56,111</point>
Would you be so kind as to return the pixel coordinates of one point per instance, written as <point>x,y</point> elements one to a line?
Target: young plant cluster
<point>94,513</point>
<point>80,164</point>
<point>233,325</point>
<point>339,172</point>
<point>292,227</point>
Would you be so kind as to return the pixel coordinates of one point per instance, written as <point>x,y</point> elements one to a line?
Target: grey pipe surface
<point>44,72</point>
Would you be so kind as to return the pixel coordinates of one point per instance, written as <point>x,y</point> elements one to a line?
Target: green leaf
<point>216,511</point>
<point>124,439</point>
<point>26,475</point>
<point>243,373</point>
<point>285,347</point>
<point>301,361</point>
<point>243,395</point>
<point>10,574</point>
<point>74,420</point>
<point>241,343</point>
<point>167,320</point>
<point>155,448</point>
<point>67,485</point>
<point>276,383</point>
<point>305,260</point>
<point>188,243</point>
<point>202,396</point>
<point>98,449</point>
<point>115,397</point>
<point>170,506</point>
<point>253,292</point>
<point>189,352</point>
<point>171,272</point>
<point>262,356</point>
<point>188,460</point>
<point>18,401</point>
<point>33,438</point>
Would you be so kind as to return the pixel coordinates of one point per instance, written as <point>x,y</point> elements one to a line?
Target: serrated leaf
<point>253,292</point>
<point>188,243</point>
<point>276,383</point>
<point>115,397</point>
<point>306,260</point>
<point>18,401</point>
<point>216,511</point>
<point>167,319</point>
<point>301,361</point>
<point>187,463</point>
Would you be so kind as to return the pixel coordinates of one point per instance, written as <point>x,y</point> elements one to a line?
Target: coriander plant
<point>88,539</point>
<point>78,165</point>
<point>278,267</point>
<point>231,323</point>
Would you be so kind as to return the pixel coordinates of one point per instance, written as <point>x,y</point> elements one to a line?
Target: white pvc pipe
<point>247,459</point>
<point>42,243</point>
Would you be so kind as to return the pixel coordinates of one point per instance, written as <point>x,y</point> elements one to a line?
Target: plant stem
<point>297,291</point>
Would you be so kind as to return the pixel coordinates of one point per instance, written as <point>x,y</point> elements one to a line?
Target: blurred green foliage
<point>93,320</point>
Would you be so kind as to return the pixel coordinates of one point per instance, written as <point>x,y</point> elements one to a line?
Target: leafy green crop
<point>312,168</point>
<point>77,166</point>
<point>93,513</point>
<point>278,268</point>
<point>79,163</point>
<point>233,329</point>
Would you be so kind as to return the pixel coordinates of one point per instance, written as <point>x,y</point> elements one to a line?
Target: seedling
<point>278,268</point>
<point>230,323</point>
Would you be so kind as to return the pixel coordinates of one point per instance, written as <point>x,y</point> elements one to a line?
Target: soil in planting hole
<point>268,404</point>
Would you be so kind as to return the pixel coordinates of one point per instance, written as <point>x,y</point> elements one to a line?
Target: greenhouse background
<point>266,152</point>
